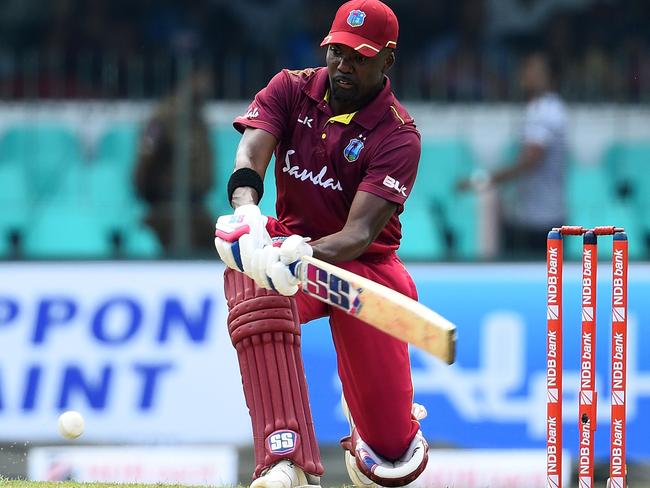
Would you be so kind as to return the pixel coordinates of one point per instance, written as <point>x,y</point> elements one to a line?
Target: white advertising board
<point>214,466</point>
<point>140,349</point>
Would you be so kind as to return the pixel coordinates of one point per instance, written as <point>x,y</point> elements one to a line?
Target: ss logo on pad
<point>282,441</point>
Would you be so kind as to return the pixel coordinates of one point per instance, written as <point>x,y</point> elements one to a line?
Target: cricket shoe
<point>285,474</point>
<point>359,479</point>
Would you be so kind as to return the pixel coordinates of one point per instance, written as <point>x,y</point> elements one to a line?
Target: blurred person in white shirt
<point>539,168</point>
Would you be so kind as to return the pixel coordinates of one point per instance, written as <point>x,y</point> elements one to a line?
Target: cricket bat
<point>379,306</point>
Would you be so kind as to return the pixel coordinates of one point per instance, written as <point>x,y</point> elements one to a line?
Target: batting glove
<point>239,235</point>
<point>271,266</point>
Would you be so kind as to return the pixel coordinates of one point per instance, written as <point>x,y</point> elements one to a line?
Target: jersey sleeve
<point>270,109</point>
<point>392,169</point>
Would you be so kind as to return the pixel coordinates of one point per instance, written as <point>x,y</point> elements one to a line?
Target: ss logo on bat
<point>331,288</point>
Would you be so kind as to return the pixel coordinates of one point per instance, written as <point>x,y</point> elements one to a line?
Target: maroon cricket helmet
<point>364,25</point>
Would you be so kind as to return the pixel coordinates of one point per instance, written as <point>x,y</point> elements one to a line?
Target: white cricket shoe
<point>285,474</point>
<point>359,479</point>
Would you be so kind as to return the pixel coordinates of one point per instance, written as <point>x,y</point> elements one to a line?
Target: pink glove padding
<point>238,235</point>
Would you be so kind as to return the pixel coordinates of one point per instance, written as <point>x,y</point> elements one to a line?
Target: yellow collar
<point>341,119</point>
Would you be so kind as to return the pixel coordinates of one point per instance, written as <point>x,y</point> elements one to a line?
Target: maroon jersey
<point>323,160</point>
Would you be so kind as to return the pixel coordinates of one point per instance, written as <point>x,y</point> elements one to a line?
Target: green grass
<point>4,482</point>
<point>73,484</point>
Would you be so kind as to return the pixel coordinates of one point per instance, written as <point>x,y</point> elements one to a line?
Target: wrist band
<point>245,177</point>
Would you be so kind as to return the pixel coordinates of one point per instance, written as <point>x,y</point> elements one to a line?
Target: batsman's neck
<point>340,107</point>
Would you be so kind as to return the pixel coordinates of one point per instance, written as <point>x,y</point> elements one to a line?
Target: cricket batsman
<point>346,155</point>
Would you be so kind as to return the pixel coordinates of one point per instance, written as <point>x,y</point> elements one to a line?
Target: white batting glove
<point>293,248</point>
<point>238,235</point>
<point>268,254</point>
<point>280,271</point>
<point>271,266</point>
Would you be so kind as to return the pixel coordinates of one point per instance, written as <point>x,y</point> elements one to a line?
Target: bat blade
<point>379,306</point>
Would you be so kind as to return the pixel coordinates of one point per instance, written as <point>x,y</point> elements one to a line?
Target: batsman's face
<point>355,78</point>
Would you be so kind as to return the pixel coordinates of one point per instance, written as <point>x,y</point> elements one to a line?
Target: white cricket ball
<point>71,424</point>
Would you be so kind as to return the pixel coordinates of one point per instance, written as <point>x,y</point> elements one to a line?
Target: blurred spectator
<point>456,50</point>
<point>508,18</point>
<point>154,173</point>
<point>635,69</point>
<point>463,65</point>
<point>539,167</point>
<point>561,42</point>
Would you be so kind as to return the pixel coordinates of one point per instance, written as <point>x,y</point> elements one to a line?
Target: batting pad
<point>265,331</point>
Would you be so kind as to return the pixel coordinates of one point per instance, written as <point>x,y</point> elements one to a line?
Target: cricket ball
<point>71,424</point>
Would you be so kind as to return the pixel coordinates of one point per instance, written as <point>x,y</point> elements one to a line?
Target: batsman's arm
<point>368,215</point>
<point>254,151</point>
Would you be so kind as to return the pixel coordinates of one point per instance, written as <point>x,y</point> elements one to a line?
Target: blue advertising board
<point>494,396</point>
<point>142,350</point>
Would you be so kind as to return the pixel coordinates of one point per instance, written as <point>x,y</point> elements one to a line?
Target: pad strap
<point>265,330</point>
<point>383,472</point>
